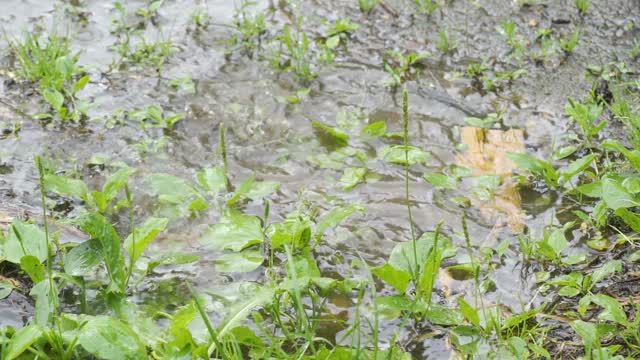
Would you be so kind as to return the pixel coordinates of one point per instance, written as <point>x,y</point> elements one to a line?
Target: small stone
<point>533,23</point>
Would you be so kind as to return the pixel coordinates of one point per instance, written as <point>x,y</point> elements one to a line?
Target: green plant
<point>294,53</point>
<point>582,6</point>
<point>402,67</point>
<point>367,6</point>
<point>569,44</point>
<point>51,64</point>
<point>586,115</point>
<point>250,28</point>
<point>200,19</point>
<point>153,116</point>
<point>446,42</point>
<point>427,6</point>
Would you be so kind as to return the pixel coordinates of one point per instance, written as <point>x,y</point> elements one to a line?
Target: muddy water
<point>275,140</point>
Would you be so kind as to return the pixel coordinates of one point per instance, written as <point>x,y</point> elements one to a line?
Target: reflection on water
<point>486,154</point>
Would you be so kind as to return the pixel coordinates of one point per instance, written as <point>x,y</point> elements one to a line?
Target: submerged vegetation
<point>219,217</point>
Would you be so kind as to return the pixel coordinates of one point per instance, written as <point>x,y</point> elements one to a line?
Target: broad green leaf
<point>110,339</point>
<point>577,167</point>
<point>21,340</point>
<point>332,136</point>
<point>442,315</point>
<point>629,218</point>
<point>352,177</point>
<point>568,291</point>
<point>82,259</point>
<point>402,256</point>
<point>335,218</point>
<point>469,313</point>
<point>632,184</point>
<point>23,239</point>
<point>175,259</point>
<point>33,267</point>
<point>399,279</point>
<point>392,307</point>
<point>253,189</point>
<point>605,270</point>
<point>557,241</point>
<point>616,196</point>
<point>212,180</point>
<point>81,83</point>
<point>441,181</point>
<point>244,261</point>
<point>99,228</point>
<point>632,156</point>
<point>143,236</point>
<point>395,154</point>
<point>535,166</point>
<point>592,189</point>
<point>292,231</point>
<point>6,288</point>
<point>565,152</point>
<point>429,273</point>
<point>235,232</point>
<point>66,186</point>
<point>587,332</point>
<point>243,309</point>
<point>613,310</point>
<point>46,302</point>
<point>170,188</point>
<point>54,98</point>
<point>115,182</point>
<point>376,129</point>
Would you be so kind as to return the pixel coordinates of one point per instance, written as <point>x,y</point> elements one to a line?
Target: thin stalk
<point>223,153</point>
<point>133,234</point>
<point>45,221</point>
<point>212,331</point>
<point>405,126</point>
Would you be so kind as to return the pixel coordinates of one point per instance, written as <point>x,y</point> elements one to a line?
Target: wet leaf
<point>235,232</point>
<point>33,267</point>
<point>54,98</point>
<point>593,189</point>
<point>174,259</point>
<point>335,218</point>
<point>565,152</point>
<point>441,181</point>
<point>115,183</point>
<point>331,135</point>
<point>629,218</point>
<point>110,339</point>
<point>557,241</point>
<point>402,256</point>
<point>442,315</point>
<point>392,307</point>
<point>292,231</point>
<point>23,239</point>
<point>587,332</point>
<point>577,167</point>
<point>535,166</point>
<point>352,177</point>
<point>605,270</point>
<point>5,289</point>
<point>399,279</point>
<point>46,302</point>
<point>613,310</point>
<point>212,180</point>
<point>616,196</point>
<point>22,340</point>
<point>632,156</point>
<point>254,190</point>
<point>99,228</point>
<point>395,154</point>
<point>568,291</point>
<point>144,235</point>
<point>468,311</point>
<point>82,259</point>
<point>242,310</point>
<point>376,129</point>
<point>66,186</point>
<point>245,261</point>
<point>170,189</point>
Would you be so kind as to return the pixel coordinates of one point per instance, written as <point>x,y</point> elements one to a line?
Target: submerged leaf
<point>144,235</point>
<point>235,232</point>
<point>395,154</point>
<point>110,339</point>
<point>244,261</point>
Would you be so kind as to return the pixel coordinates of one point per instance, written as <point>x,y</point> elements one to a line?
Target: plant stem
<point>405,126</point>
